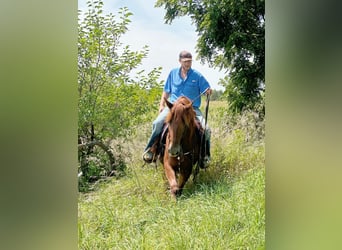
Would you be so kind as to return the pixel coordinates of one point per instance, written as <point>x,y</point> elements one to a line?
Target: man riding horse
<point>183,81</point>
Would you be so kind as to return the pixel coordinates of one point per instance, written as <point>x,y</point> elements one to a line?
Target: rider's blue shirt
<point>192,86</point>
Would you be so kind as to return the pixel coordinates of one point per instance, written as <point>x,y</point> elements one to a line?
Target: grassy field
<point>223,209</point>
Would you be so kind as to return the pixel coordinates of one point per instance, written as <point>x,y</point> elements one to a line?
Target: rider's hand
<point>209,91</point>
<point>161,107</point>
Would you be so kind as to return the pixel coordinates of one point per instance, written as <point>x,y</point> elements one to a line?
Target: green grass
<point>134,213</point>
<point>223,209</point>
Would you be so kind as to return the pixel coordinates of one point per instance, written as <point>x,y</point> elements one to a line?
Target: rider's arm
<point>162,101</point>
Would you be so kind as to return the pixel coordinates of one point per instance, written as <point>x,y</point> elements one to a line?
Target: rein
<point>205,118</point>
<point>206,111</point>
<point>203,135</point>
<point>200,96</point>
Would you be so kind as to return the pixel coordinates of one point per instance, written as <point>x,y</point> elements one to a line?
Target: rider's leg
<point>157,128</point>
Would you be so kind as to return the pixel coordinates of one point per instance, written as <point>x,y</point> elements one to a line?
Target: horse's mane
<point>182,110</point>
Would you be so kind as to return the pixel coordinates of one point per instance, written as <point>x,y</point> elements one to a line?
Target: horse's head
<point>180,119</point>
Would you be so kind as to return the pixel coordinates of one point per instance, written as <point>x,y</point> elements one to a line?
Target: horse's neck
<point>189,144</point>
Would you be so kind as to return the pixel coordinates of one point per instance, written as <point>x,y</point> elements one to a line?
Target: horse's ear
<point>169,104</point>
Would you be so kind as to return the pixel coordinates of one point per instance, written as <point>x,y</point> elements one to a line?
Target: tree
<point>231,37</point>
<point>111,100</point>
<point>216,95</point>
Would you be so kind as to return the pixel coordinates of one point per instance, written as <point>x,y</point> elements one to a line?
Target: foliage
<point>111,101</point>
<point>216,95</point>
<point>237,139</point>
<point>232,37</point>
<point>250,122</point>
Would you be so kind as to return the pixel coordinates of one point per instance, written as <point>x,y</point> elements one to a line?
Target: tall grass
<point>223,209</point>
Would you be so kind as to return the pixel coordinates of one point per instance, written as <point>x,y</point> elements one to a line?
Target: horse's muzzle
<point>174,151</point>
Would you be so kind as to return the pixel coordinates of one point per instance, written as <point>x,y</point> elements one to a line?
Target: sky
<point>165,41</point>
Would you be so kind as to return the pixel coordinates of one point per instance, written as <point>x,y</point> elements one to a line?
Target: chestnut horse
<point>182,144</point>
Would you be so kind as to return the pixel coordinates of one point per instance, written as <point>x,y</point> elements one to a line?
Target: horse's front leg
<point>184,175</point>
<point>171,177</point>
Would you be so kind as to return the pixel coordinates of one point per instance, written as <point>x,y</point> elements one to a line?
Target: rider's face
<point>186,63</point>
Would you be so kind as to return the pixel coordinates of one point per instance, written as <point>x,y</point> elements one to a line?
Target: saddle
<point>158,147</point>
